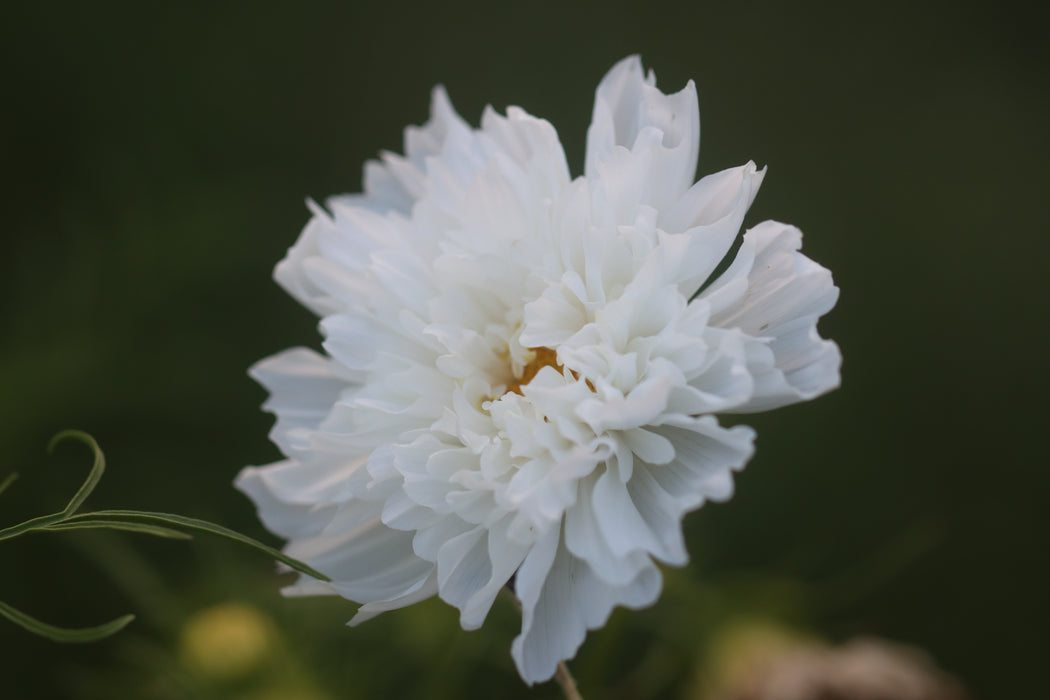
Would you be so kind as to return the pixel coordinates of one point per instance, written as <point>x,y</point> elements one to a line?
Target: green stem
<point>567,682</point>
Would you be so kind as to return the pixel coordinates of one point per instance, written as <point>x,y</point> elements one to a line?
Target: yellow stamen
<point>543,357</point>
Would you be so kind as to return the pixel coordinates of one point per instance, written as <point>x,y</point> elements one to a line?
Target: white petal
<point>428,541</point>
<point>723,382</point>
<point>290,511</point>
<point>532,143</point>
<point>641,406</point>
<point>428,140</point>
<point>662,514</point>
<point>474,567</point>
<point>396,182</point>
<point>291,274</point>
<point>717,213</point>
<point>303,388</point>
<point>706,454</point>
<point>649,446</point>
<point>785,295</point>
<point>385,190</point>
<point>590,533</point>
<point>619,522</point>
<point>418,591</point>
<point>713,197</point>
<point>561,599</point>
<point>463,566</point>
<point>366,564</point>
<point>630,112</point>
<point>403,513</point>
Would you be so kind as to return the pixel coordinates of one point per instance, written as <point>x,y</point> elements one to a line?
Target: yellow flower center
<point>542,357</point>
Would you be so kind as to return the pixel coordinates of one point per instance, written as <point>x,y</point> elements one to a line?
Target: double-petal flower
<point>522,369</point>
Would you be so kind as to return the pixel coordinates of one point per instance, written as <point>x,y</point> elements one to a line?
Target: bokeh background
<point>157,157</point>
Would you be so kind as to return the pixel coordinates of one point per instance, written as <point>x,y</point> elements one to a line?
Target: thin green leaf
<point>94,475</point>
<point>39,523</point>
<point>182,521</point>
<point>127,526</point>
<point>10,479</point>
<point>61,634</point>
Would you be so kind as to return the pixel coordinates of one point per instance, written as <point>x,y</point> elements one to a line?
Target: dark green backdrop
<point>157,158</point>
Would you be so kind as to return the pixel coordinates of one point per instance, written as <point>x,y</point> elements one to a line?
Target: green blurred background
<point>157,159</point>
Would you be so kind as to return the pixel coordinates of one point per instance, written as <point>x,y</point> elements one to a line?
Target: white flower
<point>520,377</point>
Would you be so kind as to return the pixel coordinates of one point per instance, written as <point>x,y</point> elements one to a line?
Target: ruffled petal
<point>631,113</point>
<point>396,182</point>
<point>714,212</point>
<point>291,272</point>
<point>713,198</point>
<point>706,455</point>
<point>592,526</point>
<point>293,500</point>
<point>561,599</point>
<point>369,564</point>
<point>532,144</point>
<point>303,388</point>
<point>473,567</point>
<point>784,296</point>
<point>415,593</point>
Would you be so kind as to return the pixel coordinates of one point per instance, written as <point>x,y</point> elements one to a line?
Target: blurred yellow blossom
<point>227,641</point>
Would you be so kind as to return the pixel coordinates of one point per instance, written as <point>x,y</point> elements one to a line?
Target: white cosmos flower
<point>520,379</point>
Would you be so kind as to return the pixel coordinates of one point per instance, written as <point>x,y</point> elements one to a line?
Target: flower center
<point>542,357</point>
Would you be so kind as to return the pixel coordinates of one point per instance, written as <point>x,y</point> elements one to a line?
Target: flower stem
<point>567,682</point>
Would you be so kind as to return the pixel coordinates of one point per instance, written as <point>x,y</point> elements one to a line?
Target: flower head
<point>521,375</point>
